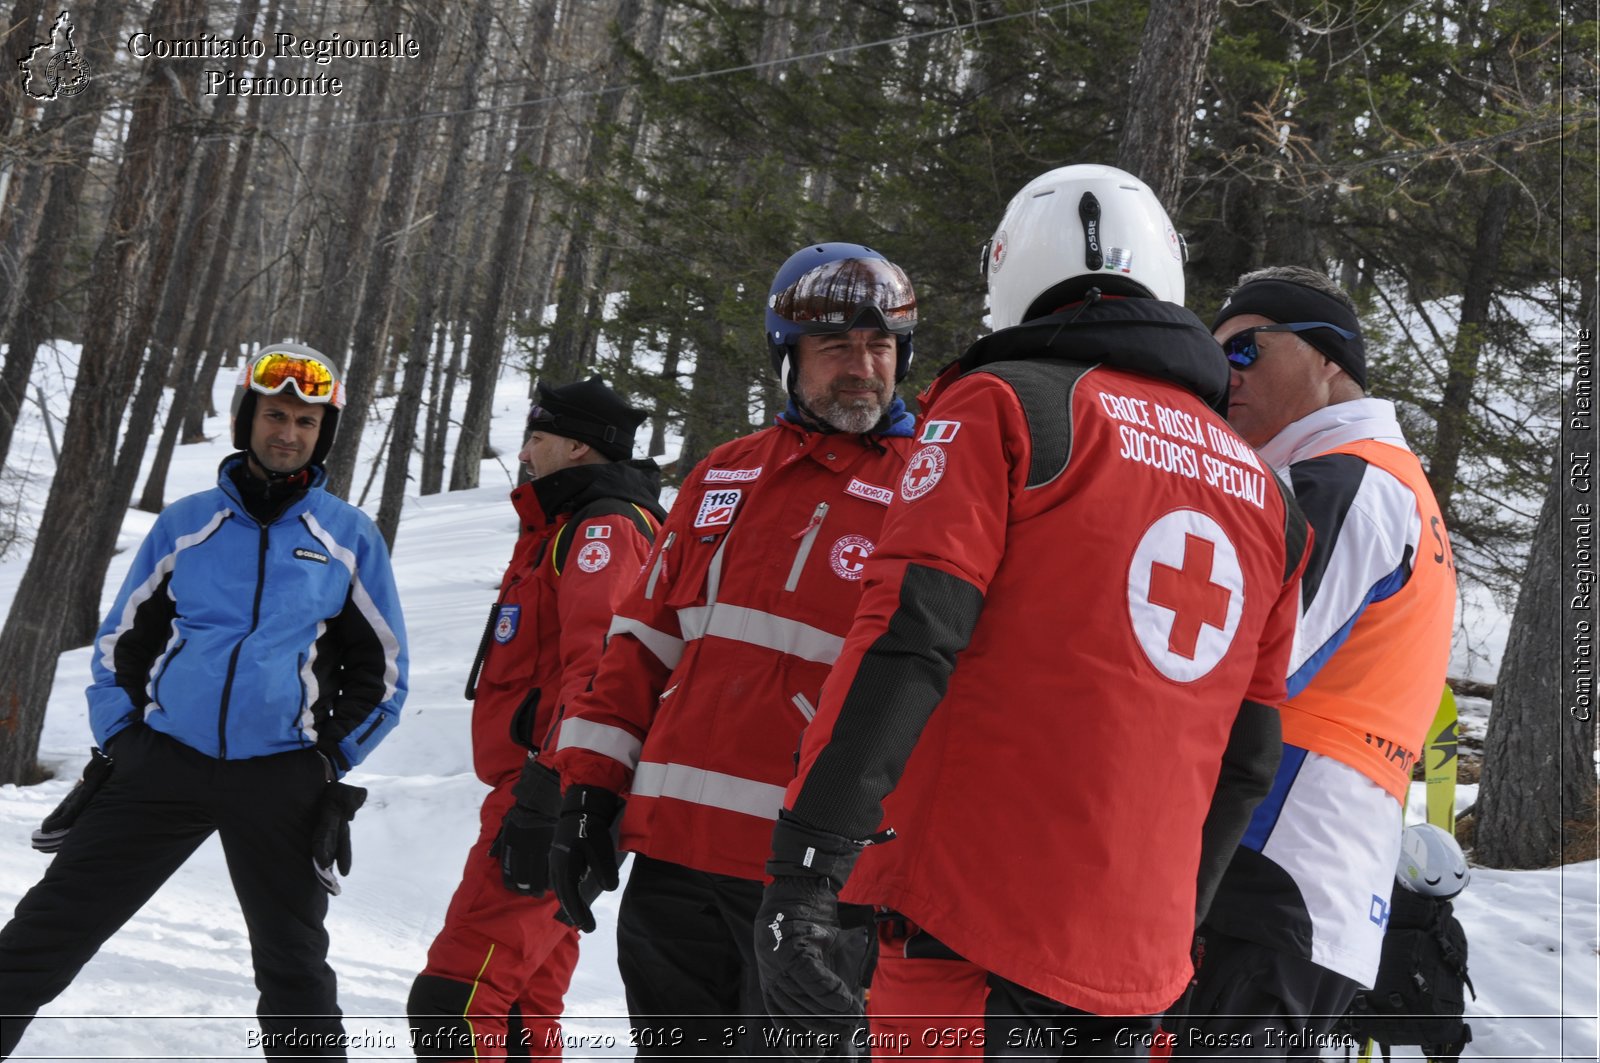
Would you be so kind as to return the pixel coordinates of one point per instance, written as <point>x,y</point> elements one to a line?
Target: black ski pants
<point>162,801</point>
<point>686,950</point>
<point>1250,1001</point>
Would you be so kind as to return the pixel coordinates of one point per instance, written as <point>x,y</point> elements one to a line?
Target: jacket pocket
<point>166,665</point>
<point>808,537</point>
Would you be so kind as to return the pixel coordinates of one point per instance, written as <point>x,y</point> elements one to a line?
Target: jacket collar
<point>897,420</point>
<point>1148,336</point>
<point>296,502</point>
<point>542,501</point>
<point>1333,426</point>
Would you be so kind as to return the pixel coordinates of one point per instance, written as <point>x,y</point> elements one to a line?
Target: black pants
<point>686,950</point>
<point>162,800</point>
<point>1249,1001</point>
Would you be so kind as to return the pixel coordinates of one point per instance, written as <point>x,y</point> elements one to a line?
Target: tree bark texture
<point>1154,145</point>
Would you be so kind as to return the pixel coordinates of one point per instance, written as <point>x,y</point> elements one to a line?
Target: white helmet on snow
<point>1431,863</point>
<point>1076,228</point>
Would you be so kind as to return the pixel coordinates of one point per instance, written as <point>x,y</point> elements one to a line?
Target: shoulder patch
<point>923,472</point>
<point>871,492</point>
<point>597,531</point>
<point>939,431</point>
<point>505,623</point>
<point>594,556</point>
<point>731,476</point>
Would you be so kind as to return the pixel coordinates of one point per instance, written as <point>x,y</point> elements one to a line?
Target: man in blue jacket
<point>255,654</point>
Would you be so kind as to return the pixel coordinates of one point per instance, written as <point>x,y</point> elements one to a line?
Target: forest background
<point>608,185</point>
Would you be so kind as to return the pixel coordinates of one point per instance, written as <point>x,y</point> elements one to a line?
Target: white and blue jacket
<point>241,640</point>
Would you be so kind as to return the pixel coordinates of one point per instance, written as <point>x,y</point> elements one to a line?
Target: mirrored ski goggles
<point>313,380</point>
<point>1242,350</point>
<point>849,293</point>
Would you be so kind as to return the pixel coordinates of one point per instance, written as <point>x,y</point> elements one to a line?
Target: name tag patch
<point>310,555</point>
<point>732,476</point>
<point>871,492</point>
<point>505,623</point>
<point>718,507</point>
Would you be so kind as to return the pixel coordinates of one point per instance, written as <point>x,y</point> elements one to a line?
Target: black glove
<point>529,826</point>
<point>584,846</point>
<point>53,831</point>
<point>330,840</point>
<point>797,929</point>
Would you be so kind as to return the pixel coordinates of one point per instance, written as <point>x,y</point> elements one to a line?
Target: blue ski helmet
<point>834,288</point>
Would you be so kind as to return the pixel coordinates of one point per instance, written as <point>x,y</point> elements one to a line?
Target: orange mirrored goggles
<point>314,381</point>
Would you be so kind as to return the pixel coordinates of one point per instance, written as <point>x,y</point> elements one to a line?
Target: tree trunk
<point>1538,753</point>
<point>1455,403</point>
<point>370,341</point>
<point>1154,145</point>
<point>61,574</point>
<point>489,324</point>
<point>441,243</point>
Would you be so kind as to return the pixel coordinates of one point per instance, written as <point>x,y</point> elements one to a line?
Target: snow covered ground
<point>176,982</point>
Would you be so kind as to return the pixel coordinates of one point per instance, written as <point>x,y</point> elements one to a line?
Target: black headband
<point>1287,302</point>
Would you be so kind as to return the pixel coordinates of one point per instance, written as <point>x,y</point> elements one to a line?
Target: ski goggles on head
<point>849,293</point>
<point>313,380</point>
<point>1242,350</point>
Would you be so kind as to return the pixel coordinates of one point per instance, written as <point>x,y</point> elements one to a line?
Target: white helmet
<point>1079,227</point>
<point>1431,862</point>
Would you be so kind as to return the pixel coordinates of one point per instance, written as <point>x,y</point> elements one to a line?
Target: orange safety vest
<point>1371,703</point>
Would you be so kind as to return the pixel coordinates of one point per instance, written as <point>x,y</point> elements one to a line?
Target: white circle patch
<point>1185,594</point>
<point>594,556</point>
<point>923,472</point>
<point>849,556</point>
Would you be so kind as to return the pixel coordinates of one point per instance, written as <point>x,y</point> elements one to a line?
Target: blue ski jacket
<point>241,640</point>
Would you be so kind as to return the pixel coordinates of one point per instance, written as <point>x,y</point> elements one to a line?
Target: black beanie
<point>589,412</point>
<point>1287,303</point>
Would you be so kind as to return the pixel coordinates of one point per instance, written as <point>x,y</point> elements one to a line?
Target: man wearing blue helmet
<point>716,659</point>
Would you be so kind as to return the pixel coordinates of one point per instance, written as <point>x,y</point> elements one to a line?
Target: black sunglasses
<point>1241,347</point>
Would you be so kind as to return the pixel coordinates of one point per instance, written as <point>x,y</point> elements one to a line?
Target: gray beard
<point>853,419</point>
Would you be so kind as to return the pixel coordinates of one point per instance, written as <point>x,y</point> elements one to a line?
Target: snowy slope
<point>176,982</point>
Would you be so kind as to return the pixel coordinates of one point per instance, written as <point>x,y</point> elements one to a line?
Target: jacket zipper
<point>807,536</point>
<point>659,568</point>
<point>233,658</point>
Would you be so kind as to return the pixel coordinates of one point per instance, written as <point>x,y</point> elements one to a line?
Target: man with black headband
<point>254,655</point>
<point>1297,925</point>
<point>499,969</point>
<point>716,659</point>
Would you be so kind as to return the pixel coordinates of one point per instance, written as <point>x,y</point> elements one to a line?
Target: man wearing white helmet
<point>254,654</point>
<point>1053,712</point>
<point>1298,923</point>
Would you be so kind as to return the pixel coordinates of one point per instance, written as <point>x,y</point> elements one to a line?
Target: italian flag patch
<point>597,531</point>
<point>939,431</point>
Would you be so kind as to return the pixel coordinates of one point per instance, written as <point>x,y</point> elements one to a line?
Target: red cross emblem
<point>849,556</point>
<point>1189,592</point>
<point>594,556</point>
<point>923,472</point>
<point>1185,594</point>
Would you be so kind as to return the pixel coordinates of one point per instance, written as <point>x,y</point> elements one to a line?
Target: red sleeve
<point>603,728</point>
<point>942,542</point>
<point>1268,684</point>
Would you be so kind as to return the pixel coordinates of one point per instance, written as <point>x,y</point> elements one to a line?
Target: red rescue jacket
<point>548,625</point>
<point>1084,574</point>
<point>717,656</point>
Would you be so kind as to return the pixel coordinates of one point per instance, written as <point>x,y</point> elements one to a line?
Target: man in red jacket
<point>716,658</point>
<point>1058,690</point>
<point>498,970</point>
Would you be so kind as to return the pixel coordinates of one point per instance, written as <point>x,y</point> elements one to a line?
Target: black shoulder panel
<point>1324,488</point>
<point>1044,387</point>
<point>603,507</point>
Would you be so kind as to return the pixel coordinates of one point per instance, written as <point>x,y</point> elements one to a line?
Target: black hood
<point>566,490</point>
<point>1146,336</point>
